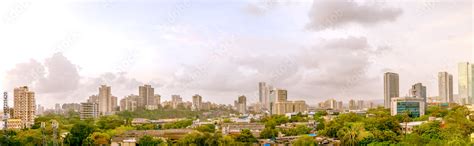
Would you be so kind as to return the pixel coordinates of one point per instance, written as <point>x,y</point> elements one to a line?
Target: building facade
<point>264,95</point>
<point>89,110</point>
<point>176,100</point>
<point>105,100</point>
<point>284,107</point>
<point>241,104</point>
<point>352,105</point>
<point>414,105</point>
<point>419,91</point>
<point>466,80</point>
<point>150,100</point>
<point>197,102</point>
<point>391,88</point>
<point>130,103</point>
<point>24,106</point>
<point>445,87</point>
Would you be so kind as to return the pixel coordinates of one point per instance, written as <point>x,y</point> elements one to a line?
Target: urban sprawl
<point>143,119</point>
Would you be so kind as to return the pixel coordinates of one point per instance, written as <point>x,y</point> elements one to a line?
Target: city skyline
<point>185,48</point>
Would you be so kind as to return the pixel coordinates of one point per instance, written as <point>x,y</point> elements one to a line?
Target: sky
<point>317,50</point>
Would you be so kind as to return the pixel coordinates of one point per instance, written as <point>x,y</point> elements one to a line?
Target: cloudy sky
<point>317,49</point>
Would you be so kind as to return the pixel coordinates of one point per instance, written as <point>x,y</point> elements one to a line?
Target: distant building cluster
<point>271,101</point>
<point>275,101</point>
<point>417,101</point>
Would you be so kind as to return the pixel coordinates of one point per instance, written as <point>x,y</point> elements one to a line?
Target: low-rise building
<point>415,106</point>
<point>284,107</point>
<point>408,127</point>
<point>14,124</point>
<point>236,128</point>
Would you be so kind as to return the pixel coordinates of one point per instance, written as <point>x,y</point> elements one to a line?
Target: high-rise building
<point>277,95</point>
<point>114,104</point>
<point>129,103</point>
<point>93,99</point>
<point>418,91</point>
<point>89,110</point>
<point>340,106</point>
<point>264,95</point>
<point>391,88</point>
<point>197,102</point>
<point>175,101</point>
<point>24,106</point>
<point>105,100</point>
<point>71,107</point>
<point>147,93</point>
<point>157,99</point>
<point>466,80</point>
<point>242,104</point>
<point>40,110</point>
<point>352,105</point>
<point>328,104</point>
<point>360,104</point>
<point>445,86</point>
<point>57,108</point>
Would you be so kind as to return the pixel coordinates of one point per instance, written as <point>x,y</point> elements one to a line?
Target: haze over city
<point>65,50</point>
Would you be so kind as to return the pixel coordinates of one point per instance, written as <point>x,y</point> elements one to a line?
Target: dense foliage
<point>381,128</point>
<point>377,128</point>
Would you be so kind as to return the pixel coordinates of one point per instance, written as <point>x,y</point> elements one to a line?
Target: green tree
<point>206,128</point>
<point>147,127</point>
<point>8,138</point>
<point>30,137</point>
<point>179,124</point>
<point>305,141</point>
<point>350,137</point>
<point>226,140</point>
<point>110,122</point>
<point>298,130</point>
<point>98,138</point>
<point>79,133</point>
<point>119,130</point>
<point>193,139</point>
<point>148,140</point>
<point>269,133</point>
<point>246,136</point>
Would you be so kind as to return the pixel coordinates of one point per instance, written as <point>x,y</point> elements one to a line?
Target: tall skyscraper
<point>197,101</point>
<point>466,80</point>
<point>360,104</point>
<point>105,100</point>
<point>24,106</point>
<point>391,88</point>
<point>242,104</point>
<point>147,93</point>
<point>175,101</point>
<point>264,94</point>
<point>445,86</point>
<point>352,105</point>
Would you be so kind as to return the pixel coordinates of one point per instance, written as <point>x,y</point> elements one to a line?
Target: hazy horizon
<point>317,50</point>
